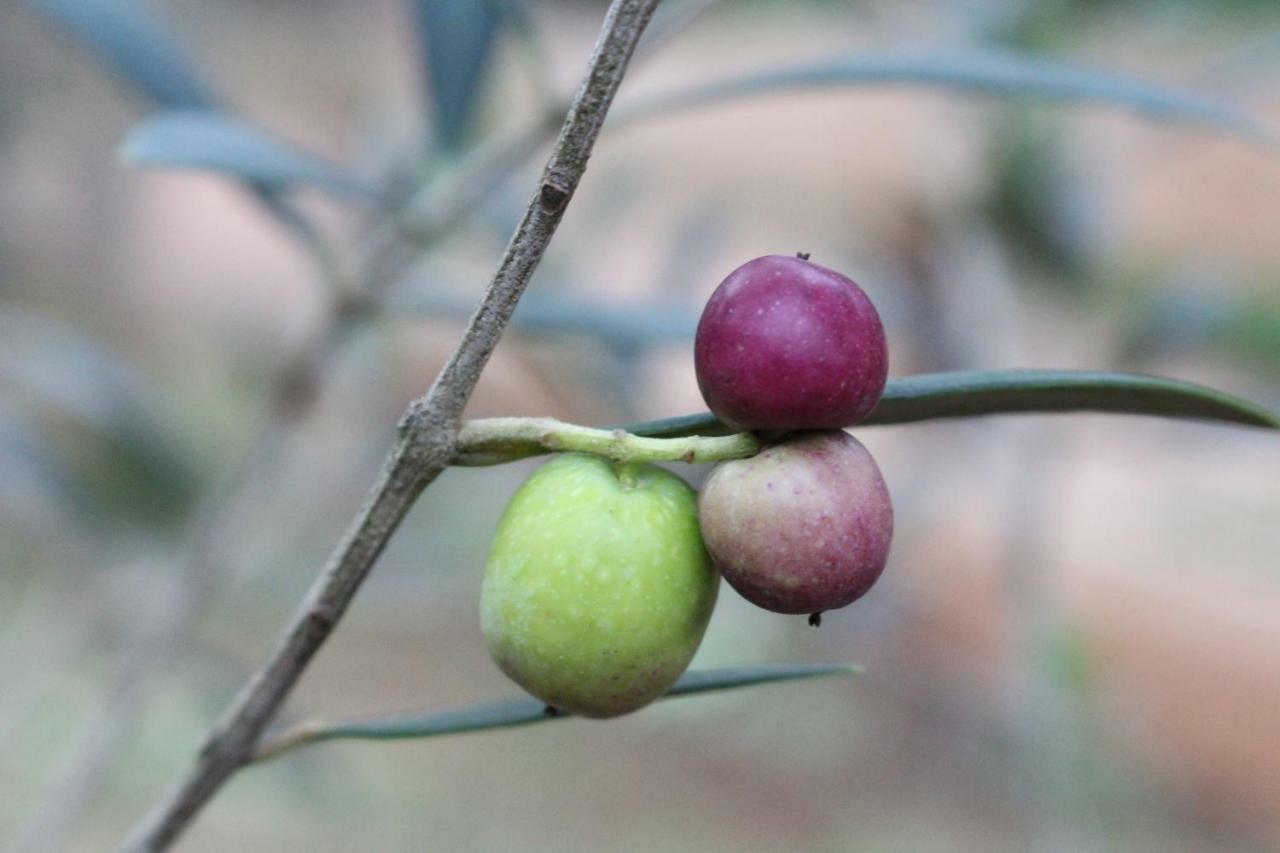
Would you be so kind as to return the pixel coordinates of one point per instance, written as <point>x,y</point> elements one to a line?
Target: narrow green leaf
<point>523,711</point>
<point>968,393</point>
<point>216,142</point>
<point>457,39</point>
<point>711,680</point>
<point>703,423</point>
<point>134,46</point>
<point>984,72</point>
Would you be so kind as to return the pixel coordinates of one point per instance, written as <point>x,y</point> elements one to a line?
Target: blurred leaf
<point>624,327</point>
<point>124,37</point>
<point>523,711</point>
<point>968,393</point>
<point>36,481</point>
<point>556,316</point>
<point>106,424</point>
<point>53,364</point>
<point>671,19</point>
<point>134,45</point>
<point>1042,205</point>
<point>988,72</point>
<point>457,39</point>
<point>194,139</point>
<point>519,20</point>
<point>1207,310</point>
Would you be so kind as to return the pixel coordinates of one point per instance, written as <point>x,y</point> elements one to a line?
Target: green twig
<point>492,441</point>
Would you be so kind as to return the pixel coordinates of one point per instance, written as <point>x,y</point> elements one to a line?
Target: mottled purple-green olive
<point>802,527</point>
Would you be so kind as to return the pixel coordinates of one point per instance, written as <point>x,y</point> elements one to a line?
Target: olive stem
<point>425,444</point>
<point>493,441</point>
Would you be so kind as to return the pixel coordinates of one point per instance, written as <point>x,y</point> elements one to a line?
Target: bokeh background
<point>1076,646</point>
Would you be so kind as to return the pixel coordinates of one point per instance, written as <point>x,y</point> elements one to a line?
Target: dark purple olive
<point>785,344</point>
<point>803,527</point>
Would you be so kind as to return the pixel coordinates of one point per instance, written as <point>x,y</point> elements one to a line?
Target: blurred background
<point>1076,646</point>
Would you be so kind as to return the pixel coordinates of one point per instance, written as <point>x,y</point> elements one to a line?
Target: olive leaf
<point>969,393</point>
<point>218,142</point>
<point>980,71</point>
<point>104,419</point>
<point>37,479</point>
<point>457,39</point>
<point>134,46</point>
<point>138,50</point>
<point>522,711</point>
<point>958,394</point>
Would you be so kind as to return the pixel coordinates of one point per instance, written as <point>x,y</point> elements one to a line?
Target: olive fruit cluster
<point>787,346</point>
<point>602,576</point>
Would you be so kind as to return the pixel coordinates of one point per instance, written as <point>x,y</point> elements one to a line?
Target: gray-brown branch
<point>425,446</point>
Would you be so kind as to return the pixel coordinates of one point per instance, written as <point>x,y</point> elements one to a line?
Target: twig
<point>381,261</point>
<point>196,567</point>
<point>426,444</point>
<point>442,202</point>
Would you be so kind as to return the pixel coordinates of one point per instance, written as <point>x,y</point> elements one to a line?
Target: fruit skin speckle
<point>785,344</point>
<point>803,527</point>
<point>598,588</point>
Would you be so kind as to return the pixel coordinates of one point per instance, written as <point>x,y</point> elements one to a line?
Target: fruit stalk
<point>493,441</point>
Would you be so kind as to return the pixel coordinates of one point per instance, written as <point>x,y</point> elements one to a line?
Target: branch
<point>381,261</point>
<point>425,446</point>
